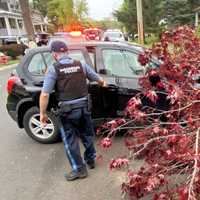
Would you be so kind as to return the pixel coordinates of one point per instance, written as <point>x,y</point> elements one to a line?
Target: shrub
<point>13,50</point>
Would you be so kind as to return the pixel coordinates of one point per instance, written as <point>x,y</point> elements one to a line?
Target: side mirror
<point>104,71</point>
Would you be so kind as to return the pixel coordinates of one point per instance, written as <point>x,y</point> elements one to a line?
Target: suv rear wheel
<point>47,135</point>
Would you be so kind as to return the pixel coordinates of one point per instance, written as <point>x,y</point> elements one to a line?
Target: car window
<point>92,57</point>
<point>37,65</point>
<point>114,34</point>
<point>77,55</point>
<point>91,52</point>
<point>49,59</point>
<point>133,63</point>
<point>74,54</point>
<point>116,64</point>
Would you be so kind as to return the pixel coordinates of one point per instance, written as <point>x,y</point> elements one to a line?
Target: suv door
<point>122,74</point>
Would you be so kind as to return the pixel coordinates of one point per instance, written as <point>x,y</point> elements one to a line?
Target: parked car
<point>92,34</point>
<point>117,63</point>
<point>10,40</point>
<point>68,37</point>
<point>113,36</point>
<point>42,38</point>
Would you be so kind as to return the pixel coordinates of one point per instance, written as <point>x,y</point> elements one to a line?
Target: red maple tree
<point>162,122</point>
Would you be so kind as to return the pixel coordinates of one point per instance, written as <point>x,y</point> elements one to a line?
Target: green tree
<point>67,14</point>
<point>81,9</point>
<point>152,12</point>
<point>127,15</point>
<point>61,12</point>
<point>180,12</point>
<point>41,5</point>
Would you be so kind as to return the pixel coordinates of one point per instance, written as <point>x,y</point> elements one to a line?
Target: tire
<point>48,135</point>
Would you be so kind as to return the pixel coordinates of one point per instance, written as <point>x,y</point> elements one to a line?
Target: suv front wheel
<point>46,135</point>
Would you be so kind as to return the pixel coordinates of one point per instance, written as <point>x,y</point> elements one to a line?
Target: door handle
<point>112,87</point>
<point>38,83</point>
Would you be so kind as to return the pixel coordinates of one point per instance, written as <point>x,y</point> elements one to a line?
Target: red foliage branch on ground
<point>163,122</point>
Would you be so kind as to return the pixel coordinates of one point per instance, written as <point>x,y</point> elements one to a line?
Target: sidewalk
<point>4,67</point>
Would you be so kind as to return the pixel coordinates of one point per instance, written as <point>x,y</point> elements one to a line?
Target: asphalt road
<point>32,171</point>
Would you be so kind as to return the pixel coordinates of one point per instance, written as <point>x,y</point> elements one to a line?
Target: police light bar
<point>75,33</point>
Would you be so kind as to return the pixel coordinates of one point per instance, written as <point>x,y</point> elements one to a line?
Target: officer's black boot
<point>73,175</point>
<point>91,164</point>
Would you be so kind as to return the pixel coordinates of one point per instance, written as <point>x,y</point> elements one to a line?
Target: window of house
<point>2,22</point>
<point>4,6</point>
<point>20,23</point>
<point>37,28</point>
<point>17,6</point>
<point>12,23</point>
<point>37,65</point>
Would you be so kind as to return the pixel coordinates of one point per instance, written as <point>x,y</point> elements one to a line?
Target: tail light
<point>75,33</point>
<point>12,81</point>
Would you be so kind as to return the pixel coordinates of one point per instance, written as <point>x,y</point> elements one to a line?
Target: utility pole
<point>140,22</point>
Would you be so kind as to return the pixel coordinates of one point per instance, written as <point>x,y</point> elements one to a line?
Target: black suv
<point>117,63</point>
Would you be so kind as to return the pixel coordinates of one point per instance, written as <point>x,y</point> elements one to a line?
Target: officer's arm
<point>93,76</point>
<point>48,86</point>
<point>44,100</point>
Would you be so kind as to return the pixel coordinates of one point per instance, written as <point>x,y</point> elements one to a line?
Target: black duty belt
<point>64,107</point>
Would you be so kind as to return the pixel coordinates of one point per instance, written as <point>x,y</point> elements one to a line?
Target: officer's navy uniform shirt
<point>51,77</point>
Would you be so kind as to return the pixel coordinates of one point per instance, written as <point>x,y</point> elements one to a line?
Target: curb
<point>8,67</point>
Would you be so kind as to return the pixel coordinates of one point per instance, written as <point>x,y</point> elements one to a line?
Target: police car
<point>117,63</point>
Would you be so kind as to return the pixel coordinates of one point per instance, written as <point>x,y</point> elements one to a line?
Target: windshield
<point>114,34</point>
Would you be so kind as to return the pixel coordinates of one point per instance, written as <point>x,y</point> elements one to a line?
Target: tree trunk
<point>24,4</point>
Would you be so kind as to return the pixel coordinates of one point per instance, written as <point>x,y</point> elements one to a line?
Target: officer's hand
<point>104,84</point>
<point>43,119</point>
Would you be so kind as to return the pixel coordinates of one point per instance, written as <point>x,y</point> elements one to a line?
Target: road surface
<point>33,171</point>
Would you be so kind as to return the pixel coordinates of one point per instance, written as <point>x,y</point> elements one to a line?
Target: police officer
<point>68,77</point>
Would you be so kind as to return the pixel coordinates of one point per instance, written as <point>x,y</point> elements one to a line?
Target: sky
<point>99,9</point>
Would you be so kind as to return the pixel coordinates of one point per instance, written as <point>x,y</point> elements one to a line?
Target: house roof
<point>7,13</point>
<point>197,9</point>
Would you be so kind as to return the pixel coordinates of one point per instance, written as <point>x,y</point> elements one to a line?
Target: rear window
<point>113,34</point>
<point>37,65</point>
<point>74,54</point>
<point>77,55</point>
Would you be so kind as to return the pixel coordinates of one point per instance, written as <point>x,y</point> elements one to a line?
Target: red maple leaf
<point>152,96</point>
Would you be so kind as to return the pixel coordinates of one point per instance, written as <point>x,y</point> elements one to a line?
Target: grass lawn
<point>11,62</point>
<point>149,41</point>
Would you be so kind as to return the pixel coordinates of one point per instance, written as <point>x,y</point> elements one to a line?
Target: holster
<point>89,102</point>
<point>64,108</point>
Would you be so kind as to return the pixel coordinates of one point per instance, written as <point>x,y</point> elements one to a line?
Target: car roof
<point>94,44</point>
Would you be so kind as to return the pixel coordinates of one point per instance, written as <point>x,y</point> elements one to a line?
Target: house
<point>11,21</point>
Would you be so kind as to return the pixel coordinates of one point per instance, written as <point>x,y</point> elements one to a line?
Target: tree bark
<point>24,4</point>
